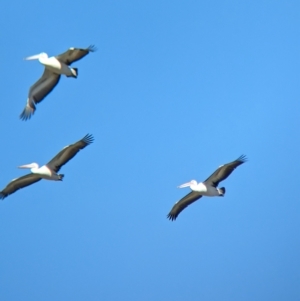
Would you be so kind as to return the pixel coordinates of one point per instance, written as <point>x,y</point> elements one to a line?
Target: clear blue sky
<point>176,89</point>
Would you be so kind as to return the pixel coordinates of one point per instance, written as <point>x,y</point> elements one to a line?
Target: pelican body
<point>55,66</point>
<point>207,188</point>
<point>203,188</point>
<point>45,171</point>
<point>48,171</point>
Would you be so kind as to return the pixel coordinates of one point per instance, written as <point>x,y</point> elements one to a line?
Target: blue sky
<point>176,89</point>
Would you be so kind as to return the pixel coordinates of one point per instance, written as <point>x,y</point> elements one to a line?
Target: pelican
<point>54,67</point>
<point>206,188</point>
<point>48,171</point>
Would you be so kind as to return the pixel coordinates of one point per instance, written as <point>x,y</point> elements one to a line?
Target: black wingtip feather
<point>27,113</point>
<point>171,217</point>
<point>92,48</point>
<point>2,195</point>
<point>88,139</point>
<point>242,158</point>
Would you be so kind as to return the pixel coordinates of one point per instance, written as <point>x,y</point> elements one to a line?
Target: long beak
<point>25,166</point>
<point>33,57</point>
<point>185,185</point>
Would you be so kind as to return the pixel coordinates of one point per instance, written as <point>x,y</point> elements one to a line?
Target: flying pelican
<point>54,67</point>
<point>206,188</point>
<point>48,171</point>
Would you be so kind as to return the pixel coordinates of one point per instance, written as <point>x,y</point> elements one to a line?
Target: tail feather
<point>76,71</point>
<point>60,177</point>
<point>222,191</point>
<point>28,110</point>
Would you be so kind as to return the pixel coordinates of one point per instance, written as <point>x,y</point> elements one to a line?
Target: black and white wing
<point>224,171</point>
<point>182,204</point>
<point>75,54</point>
<point>67,153</point>
<point>39,91</point>
<point>19,183</point>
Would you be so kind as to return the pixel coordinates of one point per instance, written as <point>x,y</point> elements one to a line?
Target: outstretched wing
<point>19,183</point>
<point>67,153</point>
<point>182,204</point>
<point>224,171</point>
<point>39,91</point>
<point>74,54</point>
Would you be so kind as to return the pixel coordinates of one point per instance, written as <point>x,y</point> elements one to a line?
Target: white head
<point>188,184</point>
<point>39,56</point>
<point>29,166</point>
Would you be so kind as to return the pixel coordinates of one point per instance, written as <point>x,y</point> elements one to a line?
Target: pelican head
<point>30,166</point>
<point>39,56</point>
<point>188,184</point>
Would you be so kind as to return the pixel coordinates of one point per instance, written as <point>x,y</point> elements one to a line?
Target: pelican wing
<point>224,171</point>
<point>67,153</point>
<point>19,183</point>
<point>75,54</point>
<point>39,91</point>
<point>182,204</point>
